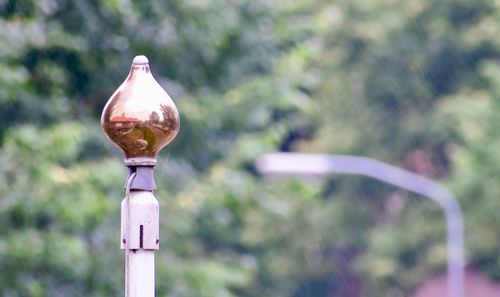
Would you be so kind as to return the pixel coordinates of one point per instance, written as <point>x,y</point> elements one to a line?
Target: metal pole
<point>140,238</point>
<point>317,164</point>
<point>141,274</point>
<point>141,119</point>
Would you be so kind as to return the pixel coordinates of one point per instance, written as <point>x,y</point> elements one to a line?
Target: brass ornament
<point>140,117</point>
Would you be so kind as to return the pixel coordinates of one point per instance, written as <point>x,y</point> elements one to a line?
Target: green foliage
<point>410,83</point>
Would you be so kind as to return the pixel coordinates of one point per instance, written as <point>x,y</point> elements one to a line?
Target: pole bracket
<point>143,168</point>
<point>144,222</point>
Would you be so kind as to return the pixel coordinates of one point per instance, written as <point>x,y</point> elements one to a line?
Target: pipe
<point>321,164</point>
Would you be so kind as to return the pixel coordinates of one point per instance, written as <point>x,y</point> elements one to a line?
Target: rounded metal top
<point>140,117</point>
<point>140,60</point>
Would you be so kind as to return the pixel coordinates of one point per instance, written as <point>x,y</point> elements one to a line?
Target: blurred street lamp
<point>320,165</point>
<point>140,118</point>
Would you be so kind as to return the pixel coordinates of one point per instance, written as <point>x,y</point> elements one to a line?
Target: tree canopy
<point>412,83</point>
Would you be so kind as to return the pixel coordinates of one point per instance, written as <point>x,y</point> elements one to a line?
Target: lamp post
<point>317,164</point>
<point>140,118</point>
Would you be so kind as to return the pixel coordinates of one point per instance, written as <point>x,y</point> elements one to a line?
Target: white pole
<point>139,238</point>
<point>141,273</point>
<point>136,107</point>
<point>319,164</point>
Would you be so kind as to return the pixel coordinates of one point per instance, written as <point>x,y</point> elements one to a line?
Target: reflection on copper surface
<point>140,117</point>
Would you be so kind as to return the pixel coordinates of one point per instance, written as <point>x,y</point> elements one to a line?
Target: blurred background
<point>411,83</point>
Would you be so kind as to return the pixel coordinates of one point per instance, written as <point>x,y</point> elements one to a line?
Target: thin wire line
<point>127,234</point>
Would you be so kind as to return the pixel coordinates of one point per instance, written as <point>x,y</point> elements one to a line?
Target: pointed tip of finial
<point>138,60</point>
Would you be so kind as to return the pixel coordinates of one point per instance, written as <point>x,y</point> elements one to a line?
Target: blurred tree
<point>409,83</point>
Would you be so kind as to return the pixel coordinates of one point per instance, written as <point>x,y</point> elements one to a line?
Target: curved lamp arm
<point>320,164</point>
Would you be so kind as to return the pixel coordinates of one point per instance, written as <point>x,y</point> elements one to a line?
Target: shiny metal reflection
<point>140,117</point>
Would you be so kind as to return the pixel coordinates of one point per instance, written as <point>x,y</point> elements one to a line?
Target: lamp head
<point>140,117</point>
